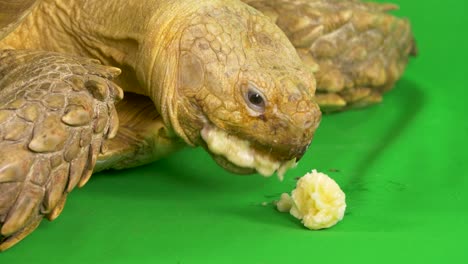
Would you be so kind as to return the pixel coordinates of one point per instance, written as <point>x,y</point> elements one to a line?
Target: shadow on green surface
<point>264,215</point>
<point>410,101</point>
<point>190,174</point>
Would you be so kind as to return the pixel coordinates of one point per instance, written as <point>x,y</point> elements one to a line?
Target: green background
<point>402,165</point>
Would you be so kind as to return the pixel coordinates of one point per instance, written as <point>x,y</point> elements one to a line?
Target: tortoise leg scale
<point>55,113</point>
<point>357,50</point>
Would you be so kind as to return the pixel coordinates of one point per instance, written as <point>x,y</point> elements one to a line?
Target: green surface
<point>402,165</point>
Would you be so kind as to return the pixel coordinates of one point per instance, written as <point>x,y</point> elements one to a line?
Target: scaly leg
<point>142,136</point>
<point>357,49</point>
<point>55,112</point>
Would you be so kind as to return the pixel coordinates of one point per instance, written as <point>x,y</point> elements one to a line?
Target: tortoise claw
<point>347,99</point>
<point>7,242</point>
<point>330,102</point>
<point>351,46</point>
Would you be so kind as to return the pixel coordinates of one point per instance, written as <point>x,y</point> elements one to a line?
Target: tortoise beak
<point>301,153</point>
<point>231,167</point>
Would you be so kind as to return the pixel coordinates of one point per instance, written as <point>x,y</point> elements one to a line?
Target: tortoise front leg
<point>55,112</point>
<point>142,137</point>
<point>357,49</point>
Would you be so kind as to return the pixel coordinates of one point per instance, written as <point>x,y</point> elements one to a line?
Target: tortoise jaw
<point>238,156</point>
<point>229,166</point>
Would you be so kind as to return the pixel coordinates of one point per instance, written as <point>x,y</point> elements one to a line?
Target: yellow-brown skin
<point>195,61</point>
<point>219,64</point>
<point>358,49</point>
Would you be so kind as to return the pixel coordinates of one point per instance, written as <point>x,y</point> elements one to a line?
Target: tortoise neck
<point>140,37</point>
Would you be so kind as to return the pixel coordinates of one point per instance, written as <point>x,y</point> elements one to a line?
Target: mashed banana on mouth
<point>317,201</point>
<point>240,153</point>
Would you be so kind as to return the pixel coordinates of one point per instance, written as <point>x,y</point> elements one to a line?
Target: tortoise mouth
<point>229,166</point>
<point>239,156</point>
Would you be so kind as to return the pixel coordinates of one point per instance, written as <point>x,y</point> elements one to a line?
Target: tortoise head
<point>243,92</point>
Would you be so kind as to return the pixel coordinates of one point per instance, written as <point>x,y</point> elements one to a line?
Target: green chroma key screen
<point>402,164</point>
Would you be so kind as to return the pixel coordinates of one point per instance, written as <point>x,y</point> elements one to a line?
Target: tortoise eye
<point>255,99</point>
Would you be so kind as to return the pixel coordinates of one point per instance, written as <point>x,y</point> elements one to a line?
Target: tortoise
<point>92,85</point>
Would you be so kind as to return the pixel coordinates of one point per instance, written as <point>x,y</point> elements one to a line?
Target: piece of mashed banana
<point>317,200</point>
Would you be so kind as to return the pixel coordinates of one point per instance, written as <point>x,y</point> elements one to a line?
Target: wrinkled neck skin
<point>139,36</point>
<point>200,61</point>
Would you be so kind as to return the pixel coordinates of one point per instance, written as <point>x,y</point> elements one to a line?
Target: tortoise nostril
<point>309,120</point>
<point>308,123</point>
<point>307,116</point>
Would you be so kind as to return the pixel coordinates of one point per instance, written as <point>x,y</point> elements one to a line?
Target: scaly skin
<point>211,67</point>
<point>200,62</point>
<point>142,137</point>
<point>195,60</point>
<point>358,50</point>
<point>55,113</point>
